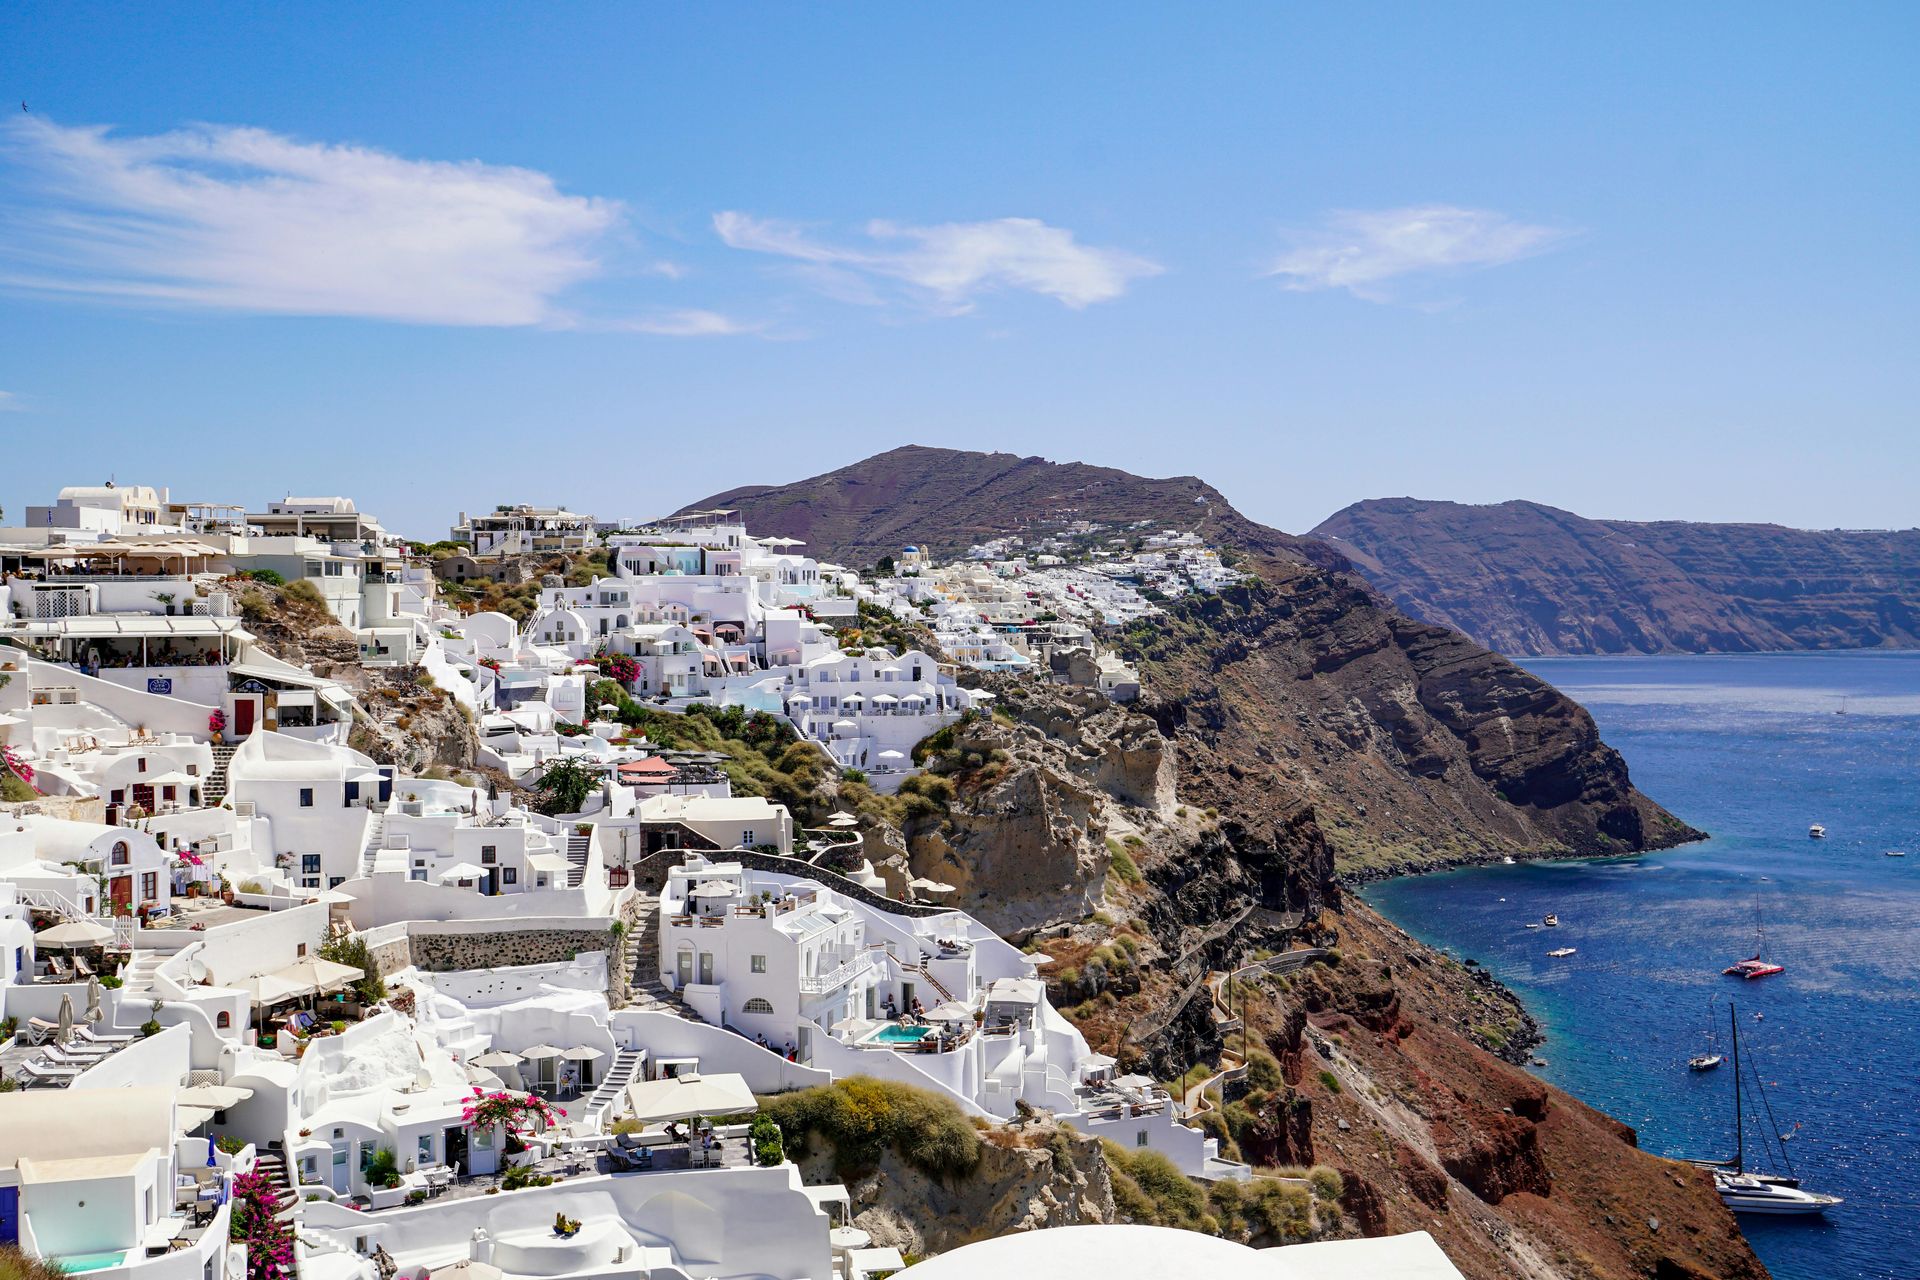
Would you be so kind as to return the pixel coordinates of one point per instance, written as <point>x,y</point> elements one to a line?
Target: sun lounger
<point>39,1030</point>
<point>91,1036</point>
<point>36,1071</point>
<point>72,1055</point>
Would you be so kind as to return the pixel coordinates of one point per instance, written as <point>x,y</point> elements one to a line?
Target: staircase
<point>215,789</point>
<point>927,973</point>
<point>370,852</point>
<point>274,1166</point>
<point>137,977</point>
<point>613,1085</point>
<point>643,947</point>
<point>577,859</point>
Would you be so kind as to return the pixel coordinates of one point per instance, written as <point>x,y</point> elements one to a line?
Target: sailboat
<point>1755,966</point>
<point>1712,1057</point>
<point>1750,1191</point>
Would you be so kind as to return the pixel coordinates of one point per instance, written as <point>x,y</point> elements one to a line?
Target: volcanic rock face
<point>1523,578</point>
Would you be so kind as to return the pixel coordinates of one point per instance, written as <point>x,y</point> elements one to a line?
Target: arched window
<point>223,1020</point>
<point>757,1005</point>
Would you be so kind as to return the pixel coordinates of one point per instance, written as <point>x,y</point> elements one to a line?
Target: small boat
<point>1559,952</point>
<point>1896,853</point>
<point>1704,1061</point>
<point>1535,924</point>
<point>1552,921</point>
<point>1816,832</point>
<point>1506,862</point>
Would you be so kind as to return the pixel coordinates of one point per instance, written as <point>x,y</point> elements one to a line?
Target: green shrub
<point>1150,1189</point>
<point>864,1118</point>
<point>1122,862</point>
<point>768,1147</point>
<point>303,592</point>
<point>151,1027</point>
<point>1326,1182</point>
<point>269,576</point>
<point>1331,1081</point>
<point>383,1168</point>
<point>112,981</point>
<point>342,947</point>
<point>14,791</point>
<point>15,1265</point>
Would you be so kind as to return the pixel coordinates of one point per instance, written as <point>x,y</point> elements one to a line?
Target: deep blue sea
<point>1752,749</point>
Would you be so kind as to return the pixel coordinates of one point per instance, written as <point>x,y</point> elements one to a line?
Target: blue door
<point>9,1215</point>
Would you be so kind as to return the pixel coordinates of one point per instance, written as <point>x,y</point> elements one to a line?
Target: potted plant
<point>216,725</point>
<point>565,1227</point>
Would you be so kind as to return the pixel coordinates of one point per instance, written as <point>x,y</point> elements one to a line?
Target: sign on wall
<point>160,684</point>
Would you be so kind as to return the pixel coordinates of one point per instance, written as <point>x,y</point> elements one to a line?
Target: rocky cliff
<point>1524,578</point>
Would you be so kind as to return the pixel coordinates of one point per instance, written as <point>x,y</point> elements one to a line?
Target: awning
<point>301,978</point>
<point>541,1052</point>
<point>217,1097</point>
<point>72,934</point>
<point>462,871</point>
<point>655,1101</point>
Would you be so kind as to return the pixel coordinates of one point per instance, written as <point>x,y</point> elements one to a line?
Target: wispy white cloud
<point>950,264</point>
<point>10,403</point>
<point>691,323</point>
<point>243,219</point>
<point>1362,251</point>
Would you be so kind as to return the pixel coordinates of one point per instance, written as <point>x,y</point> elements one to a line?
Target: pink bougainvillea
<point>254,1223</point>
<point>217,721</point>
<point>517,1112</point>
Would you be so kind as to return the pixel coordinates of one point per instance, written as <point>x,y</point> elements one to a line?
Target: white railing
<point>838,977</point>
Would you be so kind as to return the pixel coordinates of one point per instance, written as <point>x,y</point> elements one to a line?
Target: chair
<point>81,967</point>
<point>39,1030</point>
<point>42,1073</point>
<point>91,1036</point>
<point>59,968</point>
<point>82,1056</point>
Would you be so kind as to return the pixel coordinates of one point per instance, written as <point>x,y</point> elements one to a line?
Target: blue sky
<point>1641,262</point>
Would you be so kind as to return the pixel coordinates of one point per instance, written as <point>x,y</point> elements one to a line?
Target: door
<point>685,968</point>
<point>243,712</point>
<point>338,1178</point>
<point>491,885</point>
<point>706,967</point>
<point>9,1215</point>
<point>120,894</point>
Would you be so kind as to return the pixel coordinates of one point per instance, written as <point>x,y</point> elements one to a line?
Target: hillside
<point>947,499</point>
<point>1523,578</point>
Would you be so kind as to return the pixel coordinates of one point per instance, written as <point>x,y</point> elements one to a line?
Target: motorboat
<point>1896,853</point>
<point>1534,924</point>
<point>1816,832</point>
<point>1746,1193</point>
<point>1561,952</point>
<point>1552,921</point>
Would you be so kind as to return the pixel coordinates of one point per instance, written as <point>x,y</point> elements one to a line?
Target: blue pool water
<point>1749,748</point>
<point>893,1033</point>
<point>76,1263</point>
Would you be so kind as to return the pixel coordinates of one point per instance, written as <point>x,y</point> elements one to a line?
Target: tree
<point>564,787</point>
<point>350,948</point>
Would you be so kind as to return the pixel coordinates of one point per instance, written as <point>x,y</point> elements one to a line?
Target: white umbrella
<point>843,820</point>
<point>65,1032</point>
<point>94,1012</point>
<point>893,755</point>
<point>301,978</point>
<point>467,1269</point>
<point>879,698</point>
<point>463,871</point>
<point>498,1058</point>
<point>845,724</point>
<point>725,1094</point>
<point>582,1053</point>
<point>187,1119</point>
<point>213,1097</point>
<point>951,1011</point>
<point>72,935</point>
<point>542,1051</point>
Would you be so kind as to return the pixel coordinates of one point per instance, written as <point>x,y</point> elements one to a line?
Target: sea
<point>1753,749</point>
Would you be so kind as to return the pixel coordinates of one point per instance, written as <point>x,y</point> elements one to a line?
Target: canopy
<point>843,820</point>
<point>213,1097</point>
<point>715,889</point>
<point>173,778</point>
<point>542,1051</point>
<point>463,871</point>
<point>893,755</point>
<point>186,1119</point>
<point>677,1098</point>
<point>498,1058</point>
<point>72,934</point>
<point>467,1269</point>
<point>301,978</point>
<point>951,1011</point>
<point>883,697</point>
<point>845,724</point>
<point>582,1053</point>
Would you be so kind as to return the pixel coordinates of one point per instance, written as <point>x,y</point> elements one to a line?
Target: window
<point>487,854</point>
<point>757,1005</point>
<point>759,964</point>
<point>509,875</point>
<point>223,1019</point>
<point>334,882</point>
<point>120,853</point>
<point>141,764</point>
<point>306,797</point>
<point>193,771</point>
<point>310,864</point>
<point>299,949</point>
<point>426,1150</point>
<point>119,795</point>
<point>149,885</point>
<point>1141,1139</point>
<point>746,838</point>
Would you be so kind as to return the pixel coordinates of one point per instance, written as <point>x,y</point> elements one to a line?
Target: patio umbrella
<point>542,1051</point>
<point>843,820</point>
<point>213,1097</point>
<point>498,1058</point>
<point>724,1094</point>
<point>463,871</point>
<point>893,755</point>
<point>582,1053</point>
<point>467,1269</point>
<point>72,935</point>
<point>94,1012</point>
<point>301,978</point>
<point>65,1033</point>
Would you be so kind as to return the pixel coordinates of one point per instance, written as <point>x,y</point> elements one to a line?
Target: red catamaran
<point>1756,966</point>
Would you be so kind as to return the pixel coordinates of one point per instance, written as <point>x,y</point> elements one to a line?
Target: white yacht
<point>1816,832</point>
<point>1757,1193</point>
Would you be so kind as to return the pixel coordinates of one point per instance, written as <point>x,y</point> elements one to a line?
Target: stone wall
<point>439,952</point>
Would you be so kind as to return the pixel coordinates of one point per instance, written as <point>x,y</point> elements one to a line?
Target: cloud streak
<point>949,265</point>
<point>246,220</point>
<point>1362,251</point>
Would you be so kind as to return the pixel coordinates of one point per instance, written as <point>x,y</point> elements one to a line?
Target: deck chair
<point>39,1073</point>
<point>39,1030</point>
<point>59,968</point>
<point>81,967</point>
<point>72,1055</point>
<point>89,1036</point>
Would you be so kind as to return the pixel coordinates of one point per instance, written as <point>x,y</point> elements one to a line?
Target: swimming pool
<point>894,1033</point>
<point>75,1263</point>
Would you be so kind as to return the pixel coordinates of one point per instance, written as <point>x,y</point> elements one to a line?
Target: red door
<point>120,893</point>
<point>242,717</point>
